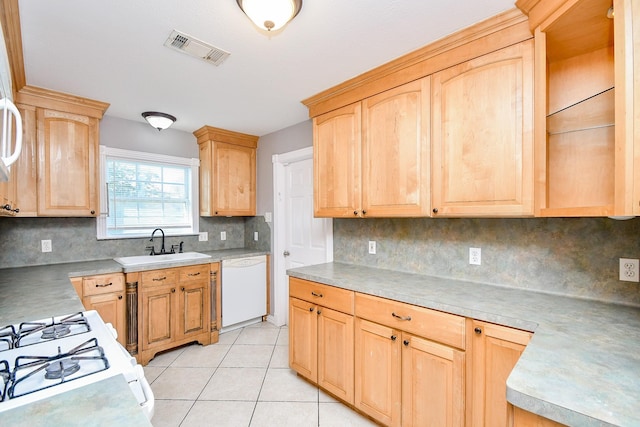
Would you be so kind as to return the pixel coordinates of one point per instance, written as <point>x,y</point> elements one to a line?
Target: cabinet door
<point>378,372</point>
<point>206,179</point>
<point>193,309</point>
<point>158,311</point>
<point>336,163</point>
<point>24,170</point>
<point>67,149</point>
<point>235,180</point>
<point>335,353</point>
<point>303,338</point>
<point>432,384</point>
<point>496,349</point>
<point>112,309</point>
<point>395,152</point>
<point>482,133</point>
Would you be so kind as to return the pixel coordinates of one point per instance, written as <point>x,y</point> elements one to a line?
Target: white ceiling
<point>113,51</point>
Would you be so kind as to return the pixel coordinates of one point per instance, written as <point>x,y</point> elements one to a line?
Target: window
<point>144,191</point>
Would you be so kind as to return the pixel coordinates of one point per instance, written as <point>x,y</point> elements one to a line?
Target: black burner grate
<point>34,373</point>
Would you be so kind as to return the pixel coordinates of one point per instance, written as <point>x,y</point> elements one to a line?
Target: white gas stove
<point>50,356</point>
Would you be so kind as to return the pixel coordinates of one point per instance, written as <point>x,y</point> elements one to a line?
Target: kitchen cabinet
<point>105,293</point>
<point>56,175</point>
<point>409,363</point>
<point>173,309</point>
<point>586,108</point>
<point>482,135</point>
<point>227,172</point>
<point>522,418</point>
<point>371,158</point>
<point>495,351</point>
<point>321,336</point>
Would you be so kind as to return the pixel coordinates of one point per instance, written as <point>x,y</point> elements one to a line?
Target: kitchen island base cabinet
<point>495,351</point>
<point>321,338</point>
<point>173,309</point>
<point>405,380</point>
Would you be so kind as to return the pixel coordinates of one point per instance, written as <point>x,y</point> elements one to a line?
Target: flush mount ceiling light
<point>159,121</point>
<point>270,15</point>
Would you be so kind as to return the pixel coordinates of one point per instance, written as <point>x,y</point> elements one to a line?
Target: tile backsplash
<point>74,239</point>
<point>568,256</point>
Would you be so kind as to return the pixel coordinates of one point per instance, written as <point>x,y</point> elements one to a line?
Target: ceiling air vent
<point>191,46</point>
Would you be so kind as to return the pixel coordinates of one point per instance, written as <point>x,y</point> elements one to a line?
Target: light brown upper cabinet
<point>586,113</point>
<point>227,172</point>
<point>371,158</point>
<point>482,135</point>
<point>60,158</point>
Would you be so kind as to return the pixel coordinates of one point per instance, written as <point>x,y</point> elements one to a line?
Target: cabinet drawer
<point>153,278</point>
<point>431,324</point>
<point>194,272</point>
<point>325,295</point>
<point>102,284</point>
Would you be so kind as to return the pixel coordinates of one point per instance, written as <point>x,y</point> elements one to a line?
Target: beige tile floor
<point>243,380</point>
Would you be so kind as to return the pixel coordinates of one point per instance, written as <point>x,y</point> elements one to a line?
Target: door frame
<point>280,279</point>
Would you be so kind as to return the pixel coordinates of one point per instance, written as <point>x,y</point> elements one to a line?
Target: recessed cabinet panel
<point>483,135</point>
<point>395,154</point>
<point>336,157</point>
<point>67,148</point>
<point>235,169</point>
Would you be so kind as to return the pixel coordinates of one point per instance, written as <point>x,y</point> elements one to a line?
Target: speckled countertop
<point>582,366</point>
<point>37,292</point>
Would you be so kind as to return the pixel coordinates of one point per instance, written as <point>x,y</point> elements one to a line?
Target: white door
<point>300,239</point>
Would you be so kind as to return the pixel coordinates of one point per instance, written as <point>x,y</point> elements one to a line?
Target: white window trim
<point>151,157</point>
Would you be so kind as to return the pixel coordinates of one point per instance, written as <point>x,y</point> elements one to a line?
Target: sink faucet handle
<point>180,250</point>
<point>173,249</point>
<point>152,248</point>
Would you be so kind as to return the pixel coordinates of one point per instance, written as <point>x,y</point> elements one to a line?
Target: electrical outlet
<point>267,217</point>
<point>629,270</point>
<point>372,247</point>
<point>255,236</point>
<point>223,235</point>
<point>203,236</point>
<point>46,245</point>
<point>475,256</point>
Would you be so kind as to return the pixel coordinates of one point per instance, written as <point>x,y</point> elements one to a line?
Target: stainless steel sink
<point>142,260</point>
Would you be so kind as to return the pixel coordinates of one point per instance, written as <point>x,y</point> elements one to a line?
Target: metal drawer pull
<point>193,274</point>
<point>401,317</point>
<point>159,279</point>
<point>104,285</point>
<point>316,295</point>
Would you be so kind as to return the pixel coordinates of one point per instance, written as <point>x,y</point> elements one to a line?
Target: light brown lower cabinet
<point>405,365</point>
<point>406,380</point>
<point>105,293</point>
<point>495,351</point>
<point>173,309</point>
<point>320,337</point>
<point>522,418</point>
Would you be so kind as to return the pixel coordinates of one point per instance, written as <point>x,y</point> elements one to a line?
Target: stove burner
<point>62,368</point>
<point>35,332</point>
<point>56,331</point>
<point>30,373</point>
<point>5,376</point>
<point>7,337</point>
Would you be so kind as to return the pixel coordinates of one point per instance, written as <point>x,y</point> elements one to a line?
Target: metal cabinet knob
<point>435,210</point>
<point>478,331</point>
<point>173,290</point>
<point>364,212</point>
<point>405,342</point>
<point>119,296</point>
<point>393,337</point>
<point>355,213</point>
<point>286,253</point>
<point>311,309</point>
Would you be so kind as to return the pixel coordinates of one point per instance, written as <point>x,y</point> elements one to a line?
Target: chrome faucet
<point>162,250</point>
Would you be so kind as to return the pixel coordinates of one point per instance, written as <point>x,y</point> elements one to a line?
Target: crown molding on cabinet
<point>45,98</point>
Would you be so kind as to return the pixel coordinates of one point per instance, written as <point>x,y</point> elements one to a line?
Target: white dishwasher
<point>244,291</point>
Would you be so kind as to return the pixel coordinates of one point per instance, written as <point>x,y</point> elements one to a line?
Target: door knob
<point>286,253</point>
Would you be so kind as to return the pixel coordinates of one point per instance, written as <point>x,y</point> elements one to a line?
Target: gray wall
<point>285,140</point>
<point>140,136</point>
